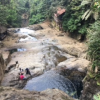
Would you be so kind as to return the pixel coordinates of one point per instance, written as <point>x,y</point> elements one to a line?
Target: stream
<point>51,80</point>
<point>41,55</point>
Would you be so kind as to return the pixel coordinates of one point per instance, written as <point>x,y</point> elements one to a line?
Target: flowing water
<point>26,32</point>
<point>52,56</point>
<point>51,80</point>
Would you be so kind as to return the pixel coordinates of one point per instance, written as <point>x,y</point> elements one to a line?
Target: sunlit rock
<point>35,27</point>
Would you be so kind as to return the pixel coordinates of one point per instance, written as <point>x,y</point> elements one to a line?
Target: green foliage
<point>70,25</point>
<point>96,97</point>
<point>72,20</point>
<point>43,9</point>
<point>39,10</point>
<point>98,83</point>
<point>83,29</point>
<point>91,75</point>
<point>94,44</point>
<point>9,15</point>
<point>72,93</point>
<point>23,6</point>
<point>92,9</point>
<point>36,19</point>
<point>12,17</point>
<point>3,15</point>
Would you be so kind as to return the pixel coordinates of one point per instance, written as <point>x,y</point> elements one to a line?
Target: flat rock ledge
<point>7,93</point>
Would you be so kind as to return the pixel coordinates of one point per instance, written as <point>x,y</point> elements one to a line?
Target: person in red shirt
<point>22,77</point>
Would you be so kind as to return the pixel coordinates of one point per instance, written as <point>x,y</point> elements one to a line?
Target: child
<point>22,77</point>
<point>17,65</point>
<point>27,71</point>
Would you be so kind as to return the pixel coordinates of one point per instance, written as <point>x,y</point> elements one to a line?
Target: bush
<point>9,16</point>
<point>36,19</point>
<point>94,44</point>
<point>72,20</point>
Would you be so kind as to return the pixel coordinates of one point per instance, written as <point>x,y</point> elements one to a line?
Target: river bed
<point>42,53</point>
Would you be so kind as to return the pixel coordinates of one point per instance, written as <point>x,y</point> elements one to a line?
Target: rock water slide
<point>45,58</point>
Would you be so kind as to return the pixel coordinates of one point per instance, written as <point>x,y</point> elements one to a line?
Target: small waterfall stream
<point>26,32</point>
<point>51,79</point>
<point>52,56</point>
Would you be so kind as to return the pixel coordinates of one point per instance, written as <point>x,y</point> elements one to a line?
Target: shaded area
<point>16,50</point>
<point>75,77</point>
<point>3,35</point>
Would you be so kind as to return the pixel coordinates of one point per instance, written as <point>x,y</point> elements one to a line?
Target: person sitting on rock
<point>22,77</point>
<point>27,71</point>
<point>17,65</point>
<point>21,70</point>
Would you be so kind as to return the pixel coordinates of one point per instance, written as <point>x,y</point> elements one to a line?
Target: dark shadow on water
<point>16,50</point>
<point>75,77</point>
<point>51,80</point>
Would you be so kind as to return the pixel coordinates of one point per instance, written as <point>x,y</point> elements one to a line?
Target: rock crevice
<point>2,67</point>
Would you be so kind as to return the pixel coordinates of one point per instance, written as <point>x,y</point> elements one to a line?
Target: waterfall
<point>51,79</point>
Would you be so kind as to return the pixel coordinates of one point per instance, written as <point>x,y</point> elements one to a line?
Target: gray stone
<point>35,27</point>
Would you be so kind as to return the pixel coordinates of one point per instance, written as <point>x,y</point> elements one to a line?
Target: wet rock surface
<point>43,50</point>
<point>35,27</point>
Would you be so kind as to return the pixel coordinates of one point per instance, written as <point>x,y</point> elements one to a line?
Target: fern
<point>86,15</point>
<point>84,2</point>
<point>94,44</point>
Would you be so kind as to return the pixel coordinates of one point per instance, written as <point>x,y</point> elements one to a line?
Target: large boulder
<point>11,31</point>
<point>79,64</point>
<point>35,27</point>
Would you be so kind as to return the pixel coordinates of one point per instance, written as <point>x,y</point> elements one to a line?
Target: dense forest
<point>81,17</point>
<point>38,10</point>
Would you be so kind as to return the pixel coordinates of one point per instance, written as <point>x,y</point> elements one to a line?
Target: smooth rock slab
<point>50,94</point>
